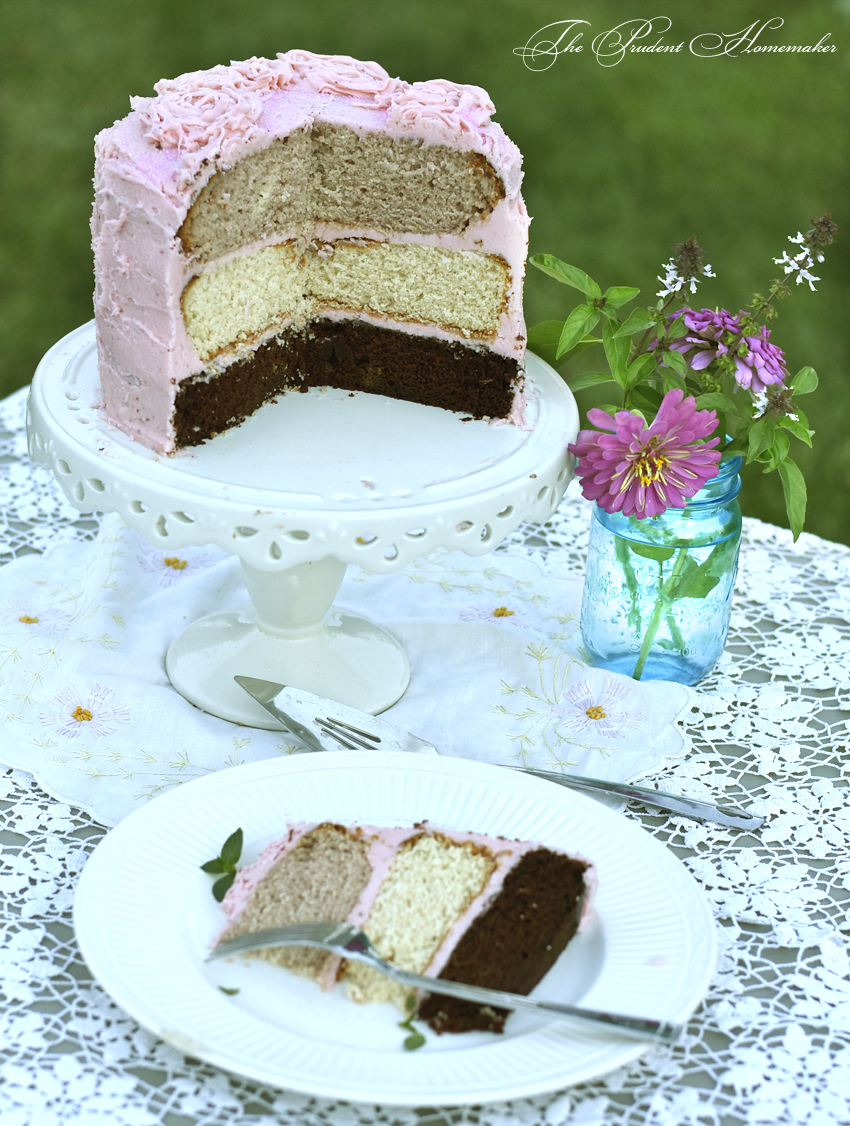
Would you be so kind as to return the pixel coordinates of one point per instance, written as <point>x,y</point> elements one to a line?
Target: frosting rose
<point>205,108</point>
<point>339,74</point>
<point>264,75</point>
<point>457,108</point>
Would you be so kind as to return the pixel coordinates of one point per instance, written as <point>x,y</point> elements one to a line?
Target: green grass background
<point>621,162</point>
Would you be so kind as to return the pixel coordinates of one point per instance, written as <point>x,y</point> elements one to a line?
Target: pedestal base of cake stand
<point>305,486</point>
<point>289,635</point>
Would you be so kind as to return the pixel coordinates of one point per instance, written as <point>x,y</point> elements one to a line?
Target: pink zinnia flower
<point>642,470</point>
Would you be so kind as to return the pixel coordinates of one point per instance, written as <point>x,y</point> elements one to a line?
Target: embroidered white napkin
<point>493,643</point>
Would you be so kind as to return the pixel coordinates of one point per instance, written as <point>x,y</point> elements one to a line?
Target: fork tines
<point>346,735</point>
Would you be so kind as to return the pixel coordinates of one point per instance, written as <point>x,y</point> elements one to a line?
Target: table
<point>769,728</point>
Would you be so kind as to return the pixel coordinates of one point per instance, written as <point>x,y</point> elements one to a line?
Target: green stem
<point>636,351</point>
<point>623,556</point>
<point>675,632</point>
<point>661,604</point>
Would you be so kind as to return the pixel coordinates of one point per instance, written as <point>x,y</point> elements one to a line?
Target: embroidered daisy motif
<point>35,618</point>
<point>500,614</point>
<point>89,714</point>
<point>169,567</point>
<point>603,711</point>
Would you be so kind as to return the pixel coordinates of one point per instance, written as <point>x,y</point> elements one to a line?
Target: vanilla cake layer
<point>463,906</point>
<point>322,171</point>
<point>461,292</point>
<point>431,883</point>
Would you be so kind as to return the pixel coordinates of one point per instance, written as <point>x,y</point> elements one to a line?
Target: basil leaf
<point>761,437</point>
<point>231,850</point>
<point>616,352</point>
<point>580,320</point>
<point>794,488</point>
<point>648,551</point>
<point>644,365</point>
<point>677,327</point>
<point>569,275</point>
<point>214,867</point>
<point>221,887</point>
<point>618,295</point>
<point>413,1041</point>
<point>716,401</point>
<point>589,379</point>
<point>545,335</point>
<point>805,381</point>
<point>699,580</point>
<point>797,429</point>
<point>777,452</point>
<point>676,361</point>
<point>697,585</point>
<point>645,398</point>
<point>621,551</point>
<point>636,321</point>
<point>671,380</point>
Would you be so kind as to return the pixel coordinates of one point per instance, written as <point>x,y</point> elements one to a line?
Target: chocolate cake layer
<point>514,943</point>
<point>354,356</point>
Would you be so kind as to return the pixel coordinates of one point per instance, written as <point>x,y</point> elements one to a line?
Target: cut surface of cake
<point>305,221</point>
<point>462,906</point>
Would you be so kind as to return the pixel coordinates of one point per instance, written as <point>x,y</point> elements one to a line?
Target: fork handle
<point>359,949</point>
<point>674,803</point>
<point>636,1028</point>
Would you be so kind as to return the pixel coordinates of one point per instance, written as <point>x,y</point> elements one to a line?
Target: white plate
<point>145,917</point>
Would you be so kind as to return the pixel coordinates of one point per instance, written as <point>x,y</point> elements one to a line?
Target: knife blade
<point>307,716</point>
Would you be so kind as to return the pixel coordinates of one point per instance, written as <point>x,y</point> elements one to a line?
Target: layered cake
<point>461,906</point>
<point>305,221</point>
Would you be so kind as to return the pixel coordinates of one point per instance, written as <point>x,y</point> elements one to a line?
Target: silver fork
<point>353,943</point>
<point>353,738</point>
<point>305,715</point>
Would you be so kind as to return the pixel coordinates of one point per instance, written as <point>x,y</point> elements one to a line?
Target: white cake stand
<point>307,485</point>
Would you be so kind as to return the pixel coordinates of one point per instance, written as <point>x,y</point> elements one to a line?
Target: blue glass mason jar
<point>658,591</point>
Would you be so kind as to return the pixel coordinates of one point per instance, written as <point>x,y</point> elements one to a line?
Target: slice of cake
<point>305,221</point>
<point>462,906</point>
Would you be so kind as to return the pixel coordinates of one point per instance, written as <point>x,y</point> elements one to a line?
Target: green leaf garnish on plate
<point>224,865</point>
<point>415,1039</point>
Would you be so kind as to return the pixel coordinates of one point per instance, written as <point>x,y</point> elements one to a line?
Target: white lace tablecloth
<point>769,728</point>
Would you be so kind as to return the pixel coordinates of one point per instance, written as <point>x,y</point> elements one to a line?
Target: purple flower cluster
<point>758,363</point>
<point>642,470</point>
<point>715,333</point>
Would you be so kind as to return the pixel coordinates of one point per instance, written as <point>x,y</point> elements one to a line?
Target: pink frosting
<point>368,83</point>
<point>459,108</point>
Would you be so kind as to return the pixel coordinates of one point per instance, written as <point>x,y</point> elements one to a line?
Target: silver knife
<point>324,725</point>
